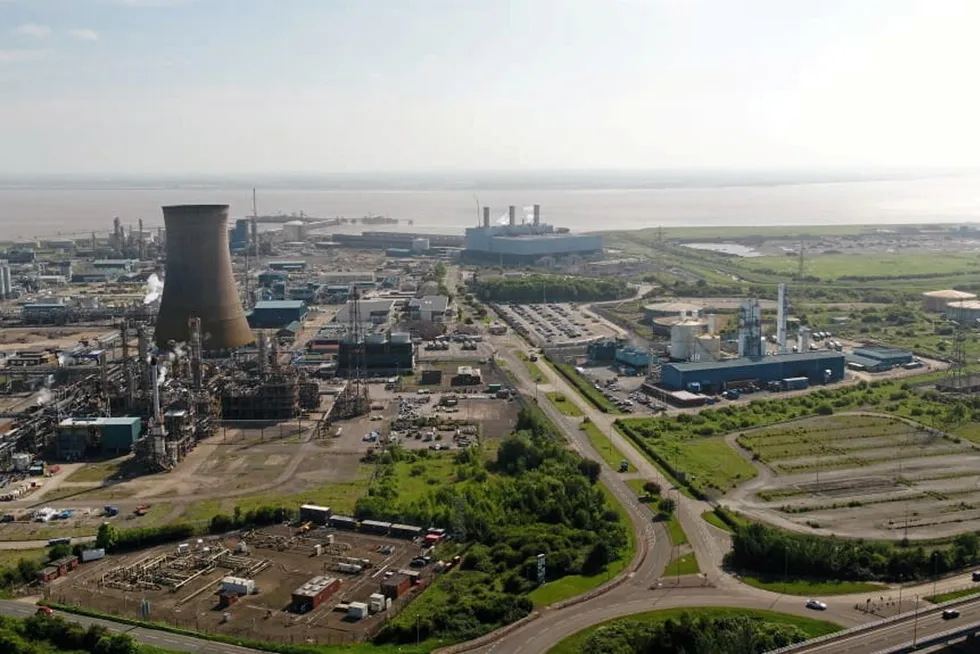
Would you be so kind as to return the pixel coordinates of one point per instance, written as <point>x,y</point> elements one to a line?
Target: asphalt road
<point>147,636</point>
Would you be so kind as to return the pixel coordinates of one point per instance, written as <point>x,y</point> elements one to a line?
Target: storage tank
<point>682,336</point>
<point>294,231</point>
<point>199,281</point>
<point>708,347</point>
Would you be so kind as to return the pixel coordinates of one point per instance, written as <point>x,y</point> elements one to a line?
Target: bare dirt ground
<point>863,476</point>
<point>266,614</point>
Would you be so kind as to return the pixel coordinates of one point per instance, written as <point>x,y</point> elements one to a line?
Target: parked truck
<point>794,383</point>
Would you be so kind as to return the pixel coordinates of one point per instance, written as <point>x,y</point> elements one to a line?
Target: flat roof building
<point>713,376</point>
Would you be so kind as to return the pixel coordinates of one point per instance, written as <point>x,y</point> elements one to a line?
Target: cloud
<point>11,56</point>
<point>84,34</point>
<point>35,30</point>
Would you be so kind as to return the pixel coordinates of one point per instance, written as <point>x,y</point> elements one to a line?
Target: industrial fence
<point>234,431</point>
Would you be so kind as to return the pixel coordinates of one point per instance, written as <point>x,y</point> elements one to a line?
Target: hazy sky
<point>177,86</point>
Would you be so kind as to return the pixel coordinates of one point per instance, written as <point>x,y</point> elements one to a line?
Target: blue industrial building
<point>714,376</point>
<point>525,242</point>
<point>76,438</point>
<point>274,314</point>
<point>238,235</point>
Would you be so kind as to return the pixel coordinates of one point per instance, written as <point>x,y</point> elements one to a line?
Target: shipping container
<point>405,531</point>
<point>376,527</point>
<point>396,586</point>
<point>348,568</point>
<point>357,610</point>
<point>342,522</point>
<point>312,513</point>
<point>795,383</point>
<point>238,585</point>
<point>92,555</point>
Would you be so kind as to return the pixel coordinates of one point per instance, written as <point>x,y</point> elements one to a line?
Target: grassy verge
<point>668,475</point>
<point>364,648</point>
<point>340,497</point>
<point>712,518</point>
<point>95,472</point>
<point>675,531</point>
<point>588,392</point>
<point>811,588</point>
<point>812,628</point>
<point>952,595</point>
<point>682,565</point>
<point>609,452</point>
<point>565,405</point>
<point>532,367</point>
<point>9,558</point>
<point>572,585</point>
<point>637,486</point>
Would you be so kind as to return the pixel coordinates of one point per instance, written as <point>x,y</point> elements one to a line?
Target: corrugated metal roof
<point>279,304</point>
<point>694,366</point>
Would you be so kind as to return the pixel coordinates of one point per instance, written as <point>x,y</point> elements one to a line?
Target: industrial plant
<point>528,241</point>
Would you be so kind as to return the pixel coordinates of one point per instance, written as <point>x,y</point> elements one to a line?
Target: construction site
<point>290,584</point>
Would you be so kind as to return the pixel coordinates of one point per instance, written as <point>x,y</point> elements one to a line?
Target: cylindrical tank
<point>21,461</point>
<point>708,347</point>
<point>199,280</point>
<point>682,337</point>
<point>294,231</point>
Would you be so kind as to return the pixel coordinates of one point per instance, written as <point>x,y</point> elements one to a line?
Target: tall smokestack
<point>512,215</point>
<point>486,216</point>
<point>537,214</point>
<point>199,280</point>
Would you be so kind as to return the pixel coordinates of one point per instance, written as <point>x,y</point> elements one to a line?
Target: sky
<point>349,86</point>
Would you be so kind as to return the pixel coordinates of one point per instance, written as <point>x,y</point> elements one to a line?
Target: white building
<point>430,308</point>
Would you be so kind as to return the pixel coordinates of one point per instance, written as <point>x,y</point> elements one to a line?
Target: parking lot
<point>554,324</point>
<point>623,391</point>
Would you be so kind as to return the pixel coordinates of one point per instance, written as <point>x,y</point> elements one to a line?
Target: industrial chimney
<point>486,216</point>
<point>199,280</point>
<point>537,214</point>
<point>512,215</point>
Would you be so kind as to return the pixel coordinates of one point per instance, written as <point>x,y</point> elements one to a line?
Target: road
<point>147,636</point>
<point>646,589</point>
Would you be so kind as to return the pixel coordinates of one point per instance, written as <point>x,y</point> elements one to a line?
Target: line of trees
<point>554,288</point>
<point>693,634</point>
<point>535,498</point>
<point>763,550</point>
<point>41,634</point>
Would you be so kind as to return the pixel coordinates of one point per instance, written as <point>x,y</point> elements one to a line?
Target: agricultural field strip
<point>790,466</point>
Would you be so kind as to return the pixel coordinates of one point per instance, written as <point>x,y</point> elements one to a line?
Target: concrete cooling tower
<point>199,281</point>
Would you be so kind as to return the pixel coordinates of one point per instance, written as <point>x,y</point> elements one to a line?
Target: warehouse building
<point>76,438</point>
<point>714,376</point>
<point>432,308</point>
<point>275,314</point>
<point>887,356</point>
<point>314,593</point>
<point>937,300</point>
<point>373,312</point>
<point>526,242</point>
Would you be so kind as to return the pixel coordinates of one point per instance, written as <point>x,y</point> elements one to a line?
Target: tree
<point>667,506</point>
<point>598,558</point>
<point>651,488</point>
<point>590,469</point>
<point>106,537</point>
<point>116,644</point>
<point>59,551</point>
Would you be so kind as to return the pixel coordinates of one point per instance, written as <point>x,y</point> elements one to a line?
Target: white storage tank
<point>708,347</point>
<point>682,337</point>
<point>357,610</point>
<point>238,585</point>
<point>21,461</point>
<point>294,231</point>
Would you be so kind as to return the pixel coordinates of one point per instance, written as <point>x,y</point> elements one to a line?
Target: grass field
<point>712,519</point>
<point>94,472</point>
<point>565,405</point>
<point>897,265</point>
<point>572,585</point>
<point>952,595</point>
<point>682,565</point>
<point>805,587</point>
<point>711,461</point>
<point>10,558</point>
<point>609,452</point>
<point>414,480</point>
<point>811,627</point>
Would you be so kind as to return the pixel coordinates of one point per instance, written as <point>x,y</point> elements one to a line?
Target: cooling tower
<point>199,281</point>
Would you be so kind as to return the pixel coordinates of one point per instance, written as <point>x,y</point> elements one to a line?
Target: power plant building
<point>525,242</point>
<point>276,314</point>
<point>76,438</point>
<point>714,376</point>
<point>376,354</point>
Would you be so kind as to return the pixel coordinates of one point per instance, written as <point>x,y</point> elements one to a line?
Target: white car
<point>816,605</point>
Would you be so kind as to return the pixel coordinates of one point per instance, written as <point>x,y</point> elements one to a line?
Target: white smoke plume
<point>44,395</point>
<point>504,219</point>
<point>62,360</point>
<point>161,374</point>
<point>154,289</point>
<point>528,215</point>
<point>179,351</point>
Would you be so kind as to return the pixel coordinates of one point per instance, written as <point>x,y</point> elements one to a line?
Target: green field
<point>712,519</point>
<point>609,452</point>
<point>95,472</point>
<point>952,595</point>
<point>897,265</point>
<point>10,558</point>
<point>564,404</point>
<point>414,480</point>
<point>682,565</point>
<point>572,585</point>
<point>805,587</point>
<point>812,628</point>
